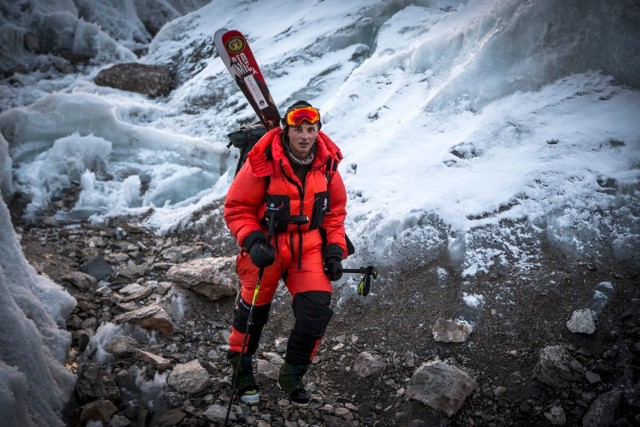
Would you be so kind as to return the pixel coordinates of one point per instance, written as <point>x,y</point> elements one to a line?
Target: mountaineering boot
<point>245,385</point>
<point>290,380</point>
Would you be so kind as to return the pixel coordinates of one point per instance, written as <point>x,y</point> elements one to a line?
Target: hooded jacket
<point>266,187</point>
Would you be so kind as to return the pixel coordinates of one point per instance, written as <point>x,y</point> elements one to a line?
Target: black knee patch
<point>241,315</point>
<point>313,312</point>
<point>260,318</point>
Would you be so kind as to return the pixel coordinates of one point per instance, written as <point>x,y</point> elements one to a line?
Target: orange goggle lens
<point>303,114</point>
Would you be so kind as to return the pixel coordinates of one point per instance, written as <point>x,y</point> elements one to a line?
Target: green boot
<point>290,380</point>
<point>245,385</point>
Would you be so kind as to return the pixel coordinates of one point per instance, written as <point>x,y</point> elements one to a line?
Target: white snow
<point>473,300</point>
<point>34,383</point>
<point>478,128</point>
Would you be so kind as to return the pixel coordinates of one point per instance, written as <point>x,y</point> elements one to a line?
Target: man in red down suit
<point>291,181</point>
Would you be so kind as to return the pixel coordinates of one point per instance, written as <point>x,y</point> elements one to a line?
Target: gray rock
<point>268,369</point>
<point>74,322</point>
<point>190,377</point>
<point>158,362</point>
<point>441,386</point>
<point>163,287</point>
<point>177,254</point>
<point>62,65</point>
<point>119,421</point>
<point>582,322</point>
<point>153,80</point>
<point>90,323</point>
<point>80,280</point>
<point>218,413</point>
<point>344,413</point>
<point>150,317</point>
<point>366,365</point>
<point>556,416</point>
<point>141,294</point>
<point>97,267</point>
<point>214,278</point>
<point>602,410</point>
<point>451,330</point>
<point>281,344</point>
<point>170,417</point>
<point>121,346</point>
<point>133,270</point>
<point>120,257</point>
<point>99,410</point>
<point>131,289</point>
<point>104,290</point>
<point>556,367</point>
<point>592,377</point>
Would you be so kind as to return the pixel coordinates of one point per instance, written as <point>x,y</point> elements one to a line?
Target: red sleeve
<point>334,219</point>
<point>243,202</point>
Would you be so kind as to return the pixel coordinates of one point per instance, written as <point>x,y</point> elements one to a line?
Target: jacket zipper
<point>301,195</point>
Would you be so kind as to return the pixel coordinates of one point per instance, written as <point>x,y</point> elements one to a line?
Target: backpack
<point>244,139</point>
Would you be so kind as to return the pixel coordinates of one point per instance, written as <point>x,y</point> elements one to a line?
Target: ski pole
<point>245,339</point>
<point>365,284</point>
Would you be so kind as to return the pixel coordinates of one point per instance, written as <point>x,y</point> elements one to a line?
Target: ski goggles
<point>303,114</point>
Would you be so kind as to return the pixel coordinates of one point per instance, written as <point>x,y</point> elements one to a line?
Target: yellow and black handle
<point>365,284</point>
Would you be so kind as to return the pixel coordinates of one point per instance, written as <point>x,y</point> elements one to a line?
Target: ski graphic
<point>234,50</point>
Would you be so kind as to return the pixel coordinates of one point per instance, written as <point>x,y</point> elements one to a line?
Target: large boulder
<point>152,80</point>
<point>213,277</point>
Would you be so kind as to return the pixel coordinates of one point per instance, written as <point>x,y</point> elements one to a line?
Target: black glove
<point>333,262</point>
<point>262,253</point>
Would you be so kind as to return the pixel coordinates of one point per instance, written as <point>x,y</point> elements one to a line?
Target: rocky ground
<point>118,268</point>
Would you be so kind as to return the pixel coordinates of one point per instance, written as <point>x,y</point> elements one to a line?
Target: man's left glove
<point>333,262</point>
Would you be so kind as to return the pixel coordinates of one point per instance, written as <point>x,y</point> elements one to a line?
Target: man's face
<point>302,138</point>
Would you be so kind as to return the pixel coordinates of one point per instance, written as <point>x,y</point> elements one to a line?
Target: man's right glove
<point>333,262</point>
<point>262,253</point>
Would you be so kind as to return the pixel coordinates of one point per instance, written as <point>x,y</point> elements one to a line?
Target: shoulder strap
<point>261,156</point>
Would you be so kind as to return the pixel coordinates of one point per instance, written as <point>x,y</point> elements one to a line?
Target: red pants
<point>304,277</point>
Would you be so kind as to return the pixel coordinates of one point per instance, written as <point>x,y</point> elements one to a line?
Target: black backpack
<point>244,139</point>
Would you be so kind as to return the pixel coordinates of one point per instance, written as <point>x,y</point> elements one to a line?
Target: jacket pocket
<point>278,209</point>
<point>320,207</point>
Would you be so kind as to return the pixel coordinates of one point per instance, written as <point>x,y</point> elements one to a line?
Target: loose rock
<point>441,386</point>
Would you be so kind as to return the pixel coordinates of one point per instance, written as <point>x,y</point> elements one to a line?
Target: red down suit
<point>267,187</point>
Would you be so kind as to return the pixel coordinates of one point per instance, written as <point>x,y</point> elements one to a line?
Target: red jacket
<point>267,180</point>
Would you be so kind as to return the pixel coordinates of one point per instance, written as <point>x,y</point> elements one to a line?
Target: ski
<point>233,48</point>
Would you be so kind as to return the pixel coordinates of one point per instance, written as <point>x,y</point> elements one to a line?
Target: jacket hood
<point>262,164</point>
